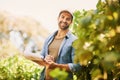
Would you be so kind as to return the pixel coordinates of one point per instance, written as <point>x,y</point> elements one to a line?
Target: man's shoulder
<point>51,35</point>
<point>71,36</point>
<point>74,36</point>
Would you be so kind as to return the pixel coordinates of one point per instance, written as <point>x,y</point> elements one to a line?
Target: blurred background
<point>26,23</point>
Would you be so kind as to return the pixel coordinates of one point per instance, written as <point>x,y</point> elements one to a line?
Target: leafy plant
<point>98,45</point>
<point>59,74</point>
<point>18,68</point>
<point>13,66</point>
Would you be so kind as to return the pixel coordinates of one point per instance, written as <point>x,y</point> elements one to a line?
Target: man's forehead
<point>65,14</point>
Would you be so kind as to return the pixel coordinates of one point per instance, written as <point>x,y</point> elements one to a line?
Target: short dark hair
<point>66,11</point>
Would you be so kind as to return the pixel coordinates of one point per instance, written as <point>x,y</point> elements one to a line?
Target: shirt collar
<point>67,35</point>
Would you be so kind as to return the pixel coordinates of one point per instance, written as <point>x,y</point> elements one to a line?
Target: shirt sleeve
<point>43,50</point>
<point>74,67</point>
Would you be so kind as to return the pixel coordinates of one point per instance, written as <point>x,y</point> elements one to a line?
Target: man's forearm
<point>42,63</point>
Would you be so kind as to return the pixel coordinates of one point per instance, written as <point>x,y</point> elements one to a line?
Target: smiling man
<point>57,51</point>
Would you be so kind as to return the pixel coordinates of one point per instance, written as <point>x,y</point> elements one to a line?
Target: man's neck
<point>62,32</point>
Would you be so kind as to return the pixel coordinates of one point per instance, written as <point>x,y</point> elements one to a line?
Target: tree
<point>98,45</point>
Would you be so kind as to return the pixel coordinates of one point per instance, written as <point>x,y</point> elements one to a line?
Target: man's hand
<point>51,64</point>
<point>50,60</point>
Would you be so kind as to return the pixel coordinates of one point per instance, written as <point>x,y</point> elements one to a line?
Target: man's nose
<point>64,20</point>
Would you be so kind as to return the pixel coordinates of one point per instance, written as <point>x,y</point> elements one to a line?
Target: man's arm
<point>36,58</point>
<point>73,67</point>
<point>51,64</point>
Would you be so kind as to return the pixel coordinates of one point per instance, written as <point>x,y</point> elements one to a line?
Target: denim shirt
<point>65,53</point>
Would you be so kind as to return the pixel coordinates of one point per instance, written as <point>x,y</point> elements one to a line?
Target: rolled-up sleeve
<point>74,67</point>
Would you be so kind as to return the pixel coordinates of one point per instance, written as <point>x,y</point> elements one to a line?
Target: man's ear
<point>71,21</point>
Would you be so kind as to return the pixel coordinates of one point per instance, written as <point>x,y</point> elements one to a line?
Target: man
<point>57,50</point>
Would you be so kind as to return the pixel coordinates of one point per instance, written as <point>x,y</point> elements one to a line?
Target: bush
<point>98,43</point>
<point>18,68</point>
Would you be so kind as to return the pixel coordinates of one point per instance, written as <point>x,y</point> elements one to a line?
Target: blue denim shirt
<point>65,53</point>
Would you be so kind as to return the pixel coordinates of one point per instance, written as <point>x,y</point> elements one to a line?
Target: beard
<point>63,25</point>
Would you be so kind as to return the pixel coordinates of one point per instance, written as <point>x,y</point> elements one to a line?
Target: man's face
<point>64,21</point>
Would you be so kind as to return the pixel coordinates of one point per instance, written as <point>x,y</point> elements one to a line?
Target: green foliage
<point>98,45</point>
<point>59,74</point>
<point>18,68</point>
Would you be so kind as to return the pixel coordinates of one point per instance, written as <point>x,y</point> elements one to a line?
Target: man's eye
<point>68,19</point>
<point>62,17</point>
